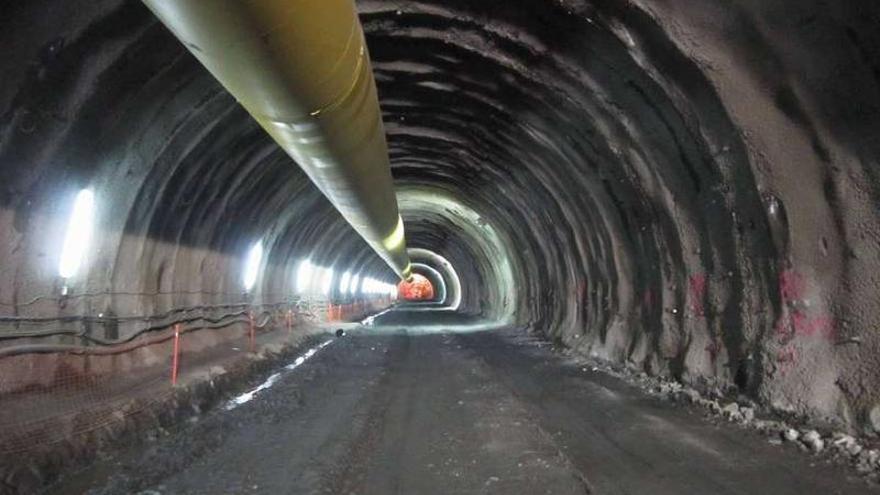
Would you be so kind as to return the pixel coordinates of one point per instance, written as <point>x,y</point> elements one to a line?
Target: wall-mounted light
<point>327,281</point>
<point>304,275</point>
<point>252,265</point>
<point>343,284</point>
<point>79,234</point>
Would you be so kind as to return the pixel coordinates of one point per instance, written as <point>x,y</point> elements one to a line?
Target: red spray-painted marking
<point>799,324</point>
<point>792,286</point>
<point>786,358</point>
<point>648,299</point>
<point>175,358</point>
<point>697,289</point>
<point>714,348</point>
<point>794,322</point>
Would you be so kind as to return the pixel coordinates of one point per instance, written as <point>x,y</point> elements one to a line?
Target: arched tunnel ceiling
<point>688,187</point>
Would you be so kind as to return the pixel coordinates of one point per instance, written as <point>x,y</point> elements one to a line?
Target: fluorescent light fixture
<point>252,265</point>
<point>79,234</point>
<point>327,281</point>
<point>353,286</point>
<point>304,275</point>
<point>343,284</point>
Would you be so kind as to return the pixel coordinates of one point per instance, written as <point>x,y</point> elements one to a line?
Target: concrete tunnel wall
<point>686,187</point>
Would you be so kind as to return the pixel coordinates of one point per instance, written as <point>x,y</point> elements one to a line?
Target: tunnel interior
<point>686,188</point>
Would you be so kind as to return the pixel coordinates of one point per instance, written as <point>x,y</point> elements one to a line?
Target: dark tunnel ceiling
<point>689,187</point>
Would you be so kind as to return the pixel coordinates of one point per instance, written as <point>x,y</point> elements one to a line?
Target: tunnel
<point>682,194</point>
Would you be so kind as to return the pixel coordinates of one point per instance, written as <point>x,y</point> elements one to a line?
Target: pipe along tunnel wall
<point>686,187</point>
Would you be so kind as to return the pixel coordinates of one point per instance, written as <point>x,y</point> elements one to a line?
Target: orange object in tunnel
<point>418,289</point>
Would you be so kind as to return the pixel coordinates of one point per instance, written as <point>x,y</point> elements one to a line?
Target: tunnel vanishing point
<point>688,189</point>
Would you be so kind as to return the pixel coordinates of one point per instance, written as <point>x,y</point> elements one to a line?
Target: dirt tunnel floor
<point>391,411</point>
